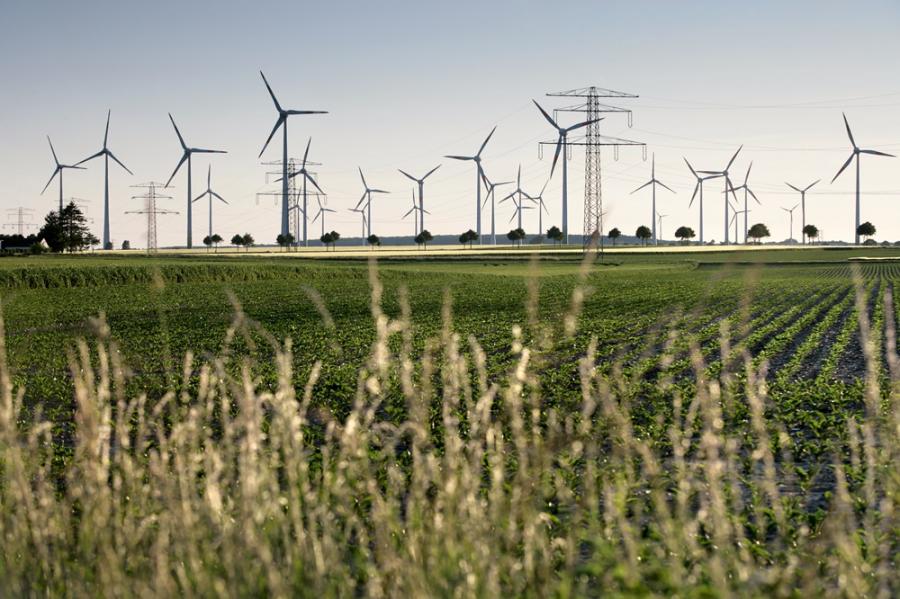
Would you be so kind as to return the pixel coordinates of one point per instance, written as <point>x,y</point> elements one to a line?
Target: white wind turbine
<point>478,175</point>
<point>653,182</point>
<point>211,194</point>
<point>698,188</point>
<point>802,193</point>
<point>790,212</point>
<point>421,183</point>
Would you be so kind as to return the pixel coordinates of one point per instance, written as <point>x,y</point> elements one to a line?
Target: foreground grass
<point>442,477</point>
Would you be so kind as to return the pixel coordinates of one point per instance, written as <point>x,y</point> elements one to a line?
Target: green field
<point>674,342</point>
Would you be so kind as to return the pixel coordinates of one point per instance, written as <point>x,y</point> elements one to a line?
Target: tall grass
<point>478,489</point>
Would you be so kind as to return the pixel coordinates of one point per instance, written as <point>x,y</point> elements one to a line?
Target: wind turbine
<point>283,123</point>
<point>490,187</point>
<point>698,187</point>
<point>746,210</point>
<point>561,144</point>
<point>479,173</point>
<point>306,177</point>
<point>59,171</point>
<point>367,198</point>
<point>803,203</point>
<point>209,192</point>
<point>790,211</point>
<point>856,152</point>
<point>728,186</point>
<point>188,152</point>
<point>653,182</point>
<point>321,213</point>
<point>362,235</point>
<point>421,183</point>
<point>519,193</point>
<point>660,217</point>
<point>539,200</point>
<point>106,156</point>
<point>734,219</point>
<point>520,206</point>
<point>415,208</point>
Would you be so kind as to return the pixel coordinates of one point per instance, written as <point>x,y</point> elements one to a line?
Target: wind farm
<point>660,361</point>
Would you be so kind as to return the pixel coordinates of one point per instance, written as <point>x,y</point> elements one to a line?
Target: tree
<point>554,234</point>
<point>216,240</point>
<point>248,241</point>
<point>280,239</point>
<point>811,232</point>
<point>614,234</point>
<point>423,238</point>
<point>126,245</point>
<point>373,240</point>
<point>758,231</point>
<point>643,233</point>
<point>207,241</point>
<point>866,229</point>
<point>326,239</point>
<point>684,234</point>
<point>237,241</point>
<point>516,236</point>
<point>468,237</point>
<point>67,231</point>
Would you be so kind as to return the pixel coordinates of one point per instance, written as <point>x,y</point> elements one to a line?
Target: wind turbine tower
<point>186,157</point>
<point>282,122</point>
<point>856,152</point>
<point>479,173</point>
<point>802,193</point>
<point>58,171</point>
<point>653,182</point>
<point>367,198</point>
<point>211,194</point>
<point>306,177</point>
<point>107,154</point>
<point>698,187</point>
<point>421,183</point>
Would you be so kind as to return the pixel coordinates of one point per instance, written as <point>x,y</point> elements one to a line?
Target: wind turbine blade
<point>313,181</point>
<point>694,195</point>
<point>667,187</point>
<point>379,191</point>
<point>753,195</point>
<point>559,143</point>
<point>716,173</point>
<point>271,93</point>
<point>55,159</point>
<point>91,157</point>
<point>106,134</point>
<point>747,176</point>
<point>407,175</point>
<point>177,132</point>
<point>119,162</point>
<point>642,186</point>
<point>361,200</point>
<point>808,187</point>
<point>306,152</point>
<point>53,176</point>
<point>278,124</point>
<point>849,133</point>
<point>175,172</point>
<point>514,215</point>
<point>876,153</point>
<point>546,116</point>
<point>794,188</point>
<point>846,164</point>
<point>431,171</point>
<point>293,112</point>
<point>217,196</point>
<point>201,196</point>
<point>318,214</point>
<point>410,211</point>
<point>693,172</point>
<point>425,211</point>
<point>486,140</point>
<point>582,124</point>
<point>733,158</point>
<point>460,157</point>
<point>510,196</point>
<point>206,151</point>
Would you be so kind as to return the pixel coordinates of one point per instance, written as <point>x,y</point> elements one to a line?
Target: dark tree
<point>423,238</point>
<point>373,240</point>
<point>866,229</point>
<point>684,234</point>
<point>555,234</point>
<point>516,236</point>
<point>207,241</point>
<point>643,233</point>
<point>248,241</point>
<point>68,231</point>
<point>758,231</point>
<point>216,240</point>
<point>237,241</point>
<point>614,234</point>
<point>811,232</point>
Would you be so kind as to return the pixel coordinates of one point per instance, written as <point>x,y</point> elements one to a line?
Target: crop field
<point>744,399</point>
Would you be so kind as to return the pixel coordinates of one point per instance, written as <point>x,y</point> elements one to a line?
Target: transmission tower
<point>151,210</point>
<point>294,191</point>
<point>592,142</point>
<point>18,217</point>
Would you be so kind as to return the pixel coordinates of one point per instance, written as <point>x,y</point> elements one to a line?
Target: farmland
<point>764,350</point>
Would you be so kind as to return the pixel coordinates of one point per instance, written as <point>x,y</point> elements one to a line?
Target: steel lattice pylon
<point>151,210</point>
<point>592,142</point>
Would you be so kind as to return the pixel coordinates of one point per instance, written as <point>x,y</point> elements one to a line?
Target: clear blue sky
<point>407,82</point>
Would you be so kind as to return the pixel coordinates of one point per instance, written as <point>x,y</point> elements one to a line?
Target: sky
<point>407,82</point>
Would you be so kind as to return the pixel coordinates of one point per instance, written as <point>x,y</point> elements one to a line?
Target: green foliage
<point>237,240</point>
<point>684,233</point>
<point>866,229</point>
<point>555,234</point>
<point>423,238</point>
<point>516,236</point>
<point>758,231</point>
<point>67,231</point>
<point>643,233</point>
<point>614,234</point>
<point>373,240</point>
